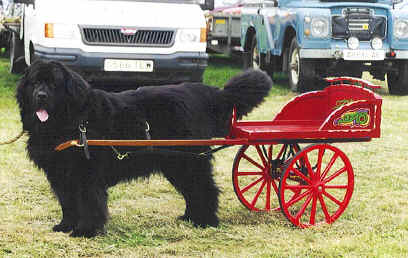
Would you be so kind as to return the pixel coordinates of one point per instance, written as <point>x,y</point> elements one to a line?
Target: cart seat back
<point>316,106</point>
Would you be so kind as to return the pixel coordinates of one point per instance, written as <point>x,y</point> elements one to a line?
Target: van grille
<point>127,36</point>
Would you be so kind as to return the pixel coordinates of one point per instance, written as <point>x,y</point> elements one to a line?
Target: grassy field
<point>143,213</point>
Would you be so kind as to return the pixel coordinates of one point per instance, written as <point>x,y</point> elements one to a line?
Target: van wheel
<point>397,81</point>
<point>255,59</point>
<point>17,62</point>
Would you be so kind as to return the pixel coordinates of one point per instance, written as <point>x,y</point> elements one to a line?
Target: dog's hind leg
<point>193,179</point>
<point>93,211</point>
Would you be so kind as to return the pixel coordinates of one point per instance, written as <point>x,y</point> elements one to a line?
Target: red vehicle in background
<point>224,27</point>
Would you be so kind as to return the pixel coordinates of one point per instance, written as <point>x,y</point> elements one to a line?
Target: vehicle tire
<point>298,81</point>
<point>256,60</point>
<point>17,62</point>
<point>197,77</point>
<point>397,81</point>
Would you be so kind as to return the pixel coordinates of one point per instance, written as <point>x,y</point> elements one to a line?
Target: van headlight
<point>319,27</point>
<point>192,35</point>
<point>401,29</point>
<point>59,30</point>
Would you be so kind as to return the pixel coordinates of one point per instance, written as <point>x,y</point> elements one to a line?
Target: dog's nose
<point>42,95</point>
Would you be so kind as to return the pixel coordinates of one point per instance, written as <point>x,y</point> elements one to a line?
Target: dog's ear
<point>23,97</point>
<point>75,86</point>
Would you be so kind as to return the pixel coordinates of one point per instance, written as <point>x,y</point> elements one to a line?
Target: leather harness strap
<point>83,142</point>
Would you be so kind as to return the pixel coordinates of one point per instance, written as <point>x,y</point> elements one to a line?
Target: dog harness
<point>83,142</point>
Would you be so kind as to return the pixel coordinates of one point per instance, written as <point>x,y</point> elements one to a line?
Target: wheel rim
<point>317,185</point>
<point>294,66</point>
<point>256,59</point>
<point>256,174</point>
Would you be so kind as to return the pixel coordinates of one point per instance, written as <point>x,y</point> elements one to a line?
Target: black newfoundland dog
<point>55,101</point>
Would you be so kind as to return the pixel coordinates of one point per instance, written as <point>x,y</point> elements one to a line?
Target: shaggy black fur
<point>59,97</point>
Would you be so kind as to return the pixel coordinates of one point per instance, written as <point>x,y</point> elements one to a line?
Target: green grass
<point>143,213</point>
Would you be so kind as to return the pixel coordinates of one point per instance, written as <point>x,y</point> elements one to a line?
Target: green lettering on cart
<point>355,118</point>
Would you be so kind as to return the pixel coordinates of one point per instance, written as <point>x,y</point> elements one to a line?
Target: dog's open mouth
<point>42,114</point>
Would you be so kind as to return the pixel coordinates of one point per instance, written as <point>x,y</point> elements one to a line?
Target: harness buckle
<point>82,128</point>
<point>121,156</point>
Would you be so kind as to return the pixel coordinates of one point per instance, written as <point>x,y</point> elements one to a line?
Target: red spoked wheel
<point>317,185</point>
<point>256,173</point>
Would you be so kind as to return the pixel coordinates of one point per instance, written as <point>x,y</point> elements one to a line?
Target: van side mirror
<point>207,5</point>
<point>24,1</point>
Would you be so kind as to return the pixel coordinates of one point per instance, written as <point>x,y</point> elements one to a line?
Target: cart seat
<point>319,115</point>
<point>269,130</point>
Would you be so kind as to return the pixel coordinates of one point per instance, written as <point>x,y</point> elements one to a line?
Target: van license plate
<point>123,65</point>
<point>363,55</point>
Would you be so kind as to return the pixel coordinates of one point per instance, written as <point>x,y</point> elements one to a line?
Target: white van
<point>151,41</point>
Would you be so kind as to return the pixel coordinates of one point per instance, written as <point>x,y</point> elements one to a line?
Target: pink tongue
<point>42,115</point>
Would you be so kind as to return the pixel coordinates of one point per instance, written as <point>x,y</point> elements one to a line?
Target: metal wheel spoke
<point>308,166</point>
<point>252,161</point>
<point>252,184</point>
<point>297,172</point>
<point>298,187</point>
<point>270,150</point>
<point>336,186</point>
<point>329,166</point>
<point>324,208</point>
<point>331,197</point>
<point>336,174</point>
<point>313,211</point>
<point>303,208</point>
<point>319,161</point>
<point>275,187</point>
<point>261,155</point>
<point>258,193</point>
<point>268,196</point>
<point>245,173</point>
<point>298,198</point>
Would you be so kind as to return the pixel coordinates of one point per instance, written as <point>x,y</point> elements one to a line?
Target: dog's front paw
<point>63,227</point>
<point>184,218</point>
<point>206,222</point>
<point>88,233</point>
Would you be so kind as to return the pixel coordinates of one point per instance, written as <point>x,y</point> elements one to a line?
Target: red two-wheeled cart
<point>313,184</point>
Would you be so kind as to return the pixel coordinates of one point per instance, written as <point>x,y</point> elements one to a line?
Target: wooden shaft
<point>204,142</point>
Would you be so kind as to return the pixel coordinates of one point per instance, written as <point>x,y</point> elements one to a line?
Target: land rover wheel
<point>298,79</point>
<point>253,59</point>
<point>397,80</point>
<point>17,62</point>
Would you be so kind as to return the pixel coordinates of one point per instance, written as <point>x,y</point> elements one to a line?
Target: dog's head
<point>50,92</point>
